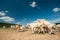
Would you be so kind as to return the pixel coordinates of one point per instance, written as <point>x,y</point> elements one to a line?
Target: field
<point>8,34</point>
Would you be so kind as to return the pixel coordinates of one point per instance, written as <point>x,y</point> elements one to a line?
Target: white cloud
<point>2,13</point>
<point>33,4</point>
<point>57,20</point>
<point>6,11</point>
<point>24,19</point>
<point>56,9</point>
<point>7,19</point>
<point>18,23</point>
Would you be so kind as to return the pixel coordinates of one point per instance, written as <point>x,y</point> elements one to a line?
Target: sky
<point>26,11</point>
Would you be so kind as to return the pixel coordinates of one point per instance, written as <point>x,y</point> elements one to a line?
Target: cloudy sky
<point>25,11</point>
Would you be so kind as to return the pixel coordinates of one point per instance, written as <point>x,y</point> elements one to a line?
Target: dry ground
<point>7,34</point>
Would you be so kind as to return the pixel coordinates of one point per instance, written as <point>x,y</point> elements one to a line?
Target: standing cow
<point>58,27</point>
<point>52,28</point>
<point>36,27</point>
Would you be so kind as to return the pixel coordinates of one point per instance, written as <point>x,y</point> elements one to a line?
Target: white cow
<point>58,27</point>
<point>52,28</point>
<point>42,25</point>
<point>13,27</point>
<point>22,28</point>
<point>35,26</point>
<point>18,27</point>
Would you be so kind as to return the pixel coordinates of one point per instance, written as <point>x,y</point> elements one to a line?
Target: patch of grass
<point>6,29</point>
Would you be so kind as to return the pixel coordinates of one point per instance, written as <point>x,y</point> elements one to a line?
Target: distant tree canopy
<point>57,23</point>
<point>7,25</point>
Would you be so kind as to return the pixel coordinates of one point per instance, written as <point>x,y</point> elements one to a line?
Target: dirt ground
<point>7,34</point>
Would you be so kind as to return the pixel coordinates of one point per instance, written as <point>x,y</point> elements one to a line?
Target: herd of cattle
<point>39,26</point>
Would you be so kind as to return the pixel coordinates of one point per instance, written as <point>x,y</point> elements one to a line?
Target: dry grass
<point>8,34</point>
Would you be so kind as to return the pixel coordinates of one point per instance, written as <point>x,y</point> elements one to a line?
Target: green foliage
<point>57,23</point>
<point>7,25</point>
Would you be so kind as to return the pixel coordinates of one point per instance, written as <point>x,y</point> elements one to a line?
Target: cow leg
<point>32,30</point>
<point>52,32</point>
<point>42,30</point>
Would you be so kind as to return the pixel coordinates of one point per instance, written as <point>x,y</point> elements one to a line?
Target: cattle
<point>46,29</point>
<point>36,27</point>
<point>4,26</point>
<point>52,28</point>
<point>18,27</point>
<point>22,28</point>
<point>42,26</point>
<point>58,27</point>
<point>15,27</point>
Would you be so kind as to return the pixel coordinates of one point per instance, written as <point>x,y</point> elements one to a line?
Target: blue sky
<point>25,11</point>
